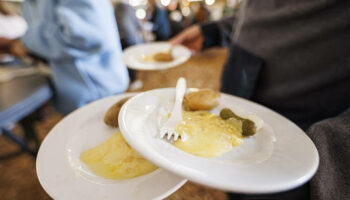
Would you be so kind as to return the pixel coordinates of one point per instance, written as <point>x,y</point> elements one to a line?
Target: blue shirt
<point>80,39</point>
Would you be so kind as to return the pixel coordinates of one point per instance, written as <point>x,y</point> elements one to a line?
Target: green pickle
<point>248,127</point>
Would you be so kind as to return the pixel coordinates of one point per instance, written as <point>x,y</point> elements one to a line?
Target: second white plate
<point>64,176</point>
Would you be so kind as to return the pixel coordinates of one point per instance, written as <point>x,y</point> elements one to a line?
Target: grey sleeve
<point>332,139</point>
<point>218,33</point>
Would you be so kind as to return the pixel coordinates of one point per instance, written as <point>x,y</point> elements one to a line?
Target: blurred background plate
<point>133,56</point>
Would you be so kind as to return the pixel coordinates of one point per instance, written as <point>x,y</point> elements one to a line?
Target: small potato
<point>204,99</point>
<point>163,57</point>
<point>111,116</point>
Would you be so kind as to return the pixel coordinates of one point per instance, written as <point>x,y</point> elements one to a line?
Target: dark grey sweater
<point>304,47</point>
<point>294,57</point>
<point>332,139</point>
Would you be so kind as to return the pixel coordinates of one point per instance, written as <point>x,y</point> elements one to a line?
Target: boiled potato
<point>204,99</point>
<point>163,57</point>
<point>111,116</point>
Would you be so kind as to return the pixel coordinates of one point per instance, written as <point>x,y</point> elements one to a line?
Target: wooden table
<point>203,70</point>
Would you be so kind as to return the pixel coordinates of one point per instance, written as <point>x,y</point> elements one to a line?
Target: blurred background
<point>163,19</point>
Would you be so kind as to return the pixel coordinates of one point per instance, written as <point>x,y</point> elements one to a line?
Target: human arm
<point>197,37</point>
<point>218,33</point>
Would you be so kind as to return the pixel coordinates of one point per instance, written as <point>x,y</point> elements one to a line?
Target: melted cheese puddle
<point>207,135</point>
<point>115,159</point>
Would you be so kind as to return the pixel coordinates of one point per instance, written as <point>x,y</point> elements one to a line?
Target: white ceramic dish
<point>64,176</point>
<point>277,158</point>
<point>133,55</point>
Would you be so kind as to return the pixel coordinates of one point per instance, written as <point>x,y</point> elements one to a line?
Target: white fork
<point>176,115</point>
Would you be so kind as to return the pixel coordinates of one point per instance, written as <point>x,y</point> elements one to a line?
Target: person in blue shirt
<point>80,40</point>
<point>158,15</point>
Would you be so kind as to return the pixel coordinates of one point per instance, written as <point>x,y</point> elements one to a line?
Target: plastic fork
<point>168,128</point>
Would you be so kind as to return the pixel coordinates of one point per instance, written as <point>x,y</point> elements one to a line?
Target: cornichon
<point>248,127</point>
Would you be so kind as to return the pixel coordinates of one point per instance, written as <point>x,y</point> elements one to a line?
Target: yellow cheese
<point>205,134</point>
<point>115,159</point>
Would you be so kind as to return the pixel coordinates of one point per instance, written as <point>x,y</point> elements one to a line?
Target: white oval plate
<point>278,157</point>
<point>132,56</point>
<point>64,176</point>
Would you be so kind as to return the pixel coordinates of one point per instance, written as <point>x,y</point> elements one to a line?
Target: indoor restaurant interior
<point>174,99</point>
